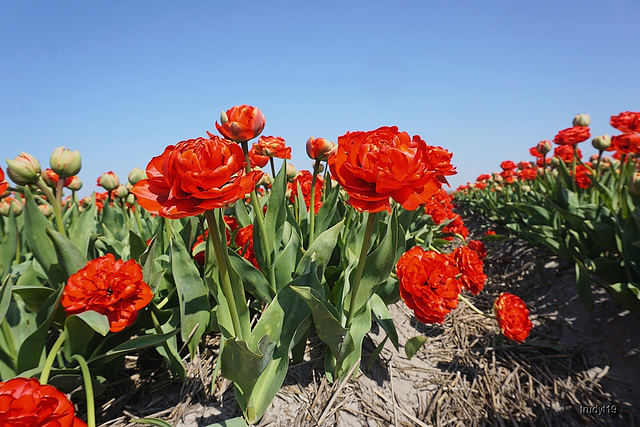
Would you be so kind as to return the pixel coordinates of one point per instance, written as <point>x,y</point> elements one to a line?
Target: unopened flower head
<point>601,142</point>
<point>65,162</point>
<point>582,120</point>
<point>24,169</point>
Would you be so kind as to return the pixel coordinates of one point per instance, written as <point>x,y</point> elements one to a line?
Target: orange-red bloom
<point>272,146</point>
<point>572,135</point>
<point>479,247</point>
<point>110,287</point>
<point>51,178</point>
<point>582,176</point>
<point>304,178</point>
<point>627,143</point>
<point>194,176</point>
<point>3,184</point>
<point>241,123</point>
<point>244,240</point>
<point>376,165</point>
<point>428,284</point>
<point>257,160</point>
<point>513,317</point>
<point>24,402</point>
<point>471,267</point>
<point>627,121</point>
<point>508,165</point>
<point>565,152</point>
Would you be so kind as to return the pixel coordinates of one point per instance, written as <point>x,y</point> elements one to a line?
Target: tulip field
<point>223,271</point>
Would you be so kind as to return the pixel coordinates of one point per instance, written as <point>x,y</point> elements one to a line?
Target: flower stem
<point>54,204</point>
<point>312,201</point>
<point>273,168</point>
<point>221,257</point>
<point>88,389</point>
<point>51,357</point>
<point>473,307</point>
<point>371,220</point>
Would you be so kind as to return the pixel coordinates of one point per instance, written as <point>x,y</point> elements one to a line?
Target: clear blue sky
<point>120,81</point>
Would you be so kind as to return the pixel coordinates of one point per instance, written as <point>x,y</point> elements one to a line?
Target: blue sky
<point>120,81</point>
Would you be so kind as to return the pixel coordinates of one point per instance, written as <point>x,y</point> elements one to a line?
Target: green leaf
<point>242,365</point>
<point>81,230</point>
<point>626,295</point>
<point>584,285</point>
<point>327,211</point>
<point>320,250</point>
<point>329,329</point>
<point>31,350</point>
<point>383,317</point>
<point>192,294</point>
<point>8,246</point>
<point>413,345</point>
<point>129,346</point>
<point>69,257</point>
<point>5,297</point>
<point>35,226</point>
<point>287,258</point>
<point>137,245</point>
<point>253,280</point>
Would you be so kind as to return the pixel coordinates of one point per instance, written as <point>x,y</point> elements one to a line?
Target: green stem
<point>221,257</point>
<point>371,220</point>
<point>88,389</point>
<point>573,167</point>
<point>473,307</point>
<point>51,357</point>
<point>273,168</point>
<point>57,211</point>
<point>312,201</point>
<point>136,214</point>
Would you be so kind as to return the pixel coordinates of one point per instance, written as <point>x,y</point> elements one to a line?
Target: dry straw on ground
<point>573,361</point>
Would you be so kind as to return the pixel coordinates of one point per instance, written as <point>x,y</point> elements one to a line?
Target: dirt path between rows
<point>576,368</point>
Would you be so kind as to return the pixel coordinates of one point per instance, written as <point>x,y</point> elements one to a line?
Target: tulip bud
<point>108,180</point>
<point>24,169</point>
<point>120,191</point>
<point>555,162</point>
<point>318,148</point>
<point>65,162</point>
<point>9,203</point>
<point>136,175</point>
<point>45,209</point>
<point>601,143</point>
<point>544,146</point>
<point>320,168</point>
<point>526,188</point>
<point>634,183</point>
<point>223,117</point>
<point>131,198</point>
<point>582,120</point>
<point>74,184</point>
<point>291,171</point>
<point>50,178</point>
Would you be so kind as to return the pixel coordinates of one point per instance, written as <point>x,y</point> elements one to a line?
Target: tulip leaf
<point>5,296</point>
<point>35,226</point>
<point>81,230</point>
<point>69,256</point>
<point>9,245</point>
<point>192,294</point>
<point>137,245</point>
<point>321,250</point>
<point>627,295</point>
<point>242,365</point>
<point>252,279</point>
<point>325,317</point>
<point>32,348</point>
<point>327,211</point>
<point>413,345</point>
<point>383,317</point>
<point>287,258</point>
<point>131,345</point>
<point>276,209</point>
<point>584,285</point>
<point>378,264</point>
<point>151,421</point>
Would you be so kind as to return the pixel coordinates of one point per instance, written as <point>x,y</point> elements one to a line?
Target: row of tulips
<point>585,211</point>
<point>203,241</point>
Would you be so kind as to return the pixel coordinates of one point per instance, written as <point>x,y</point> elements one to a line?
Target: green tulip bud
<point>24,169</point>
<point>136,175</point>
<point>601,143</point>
<point>75,184</point>
<point>582,120</point>
<point>65,162</point>
<point>109,181</point>
<point>8,204</point>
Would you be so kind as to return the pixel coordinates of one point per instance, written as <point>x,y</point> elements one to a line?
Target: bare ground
<point>576,368</point>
